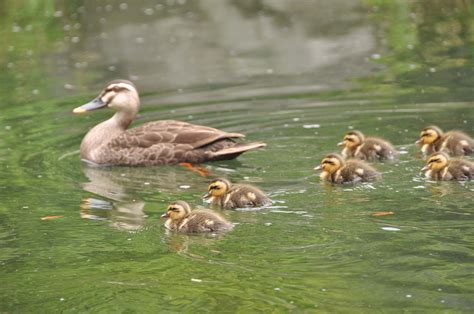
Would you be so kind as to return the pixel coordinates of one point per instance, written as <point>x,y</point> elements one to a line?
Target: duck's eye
<point>173,209</point>
<point>214,187</point>
<point>349,139</point>
<point>434,160</point>
<point>328,162</point>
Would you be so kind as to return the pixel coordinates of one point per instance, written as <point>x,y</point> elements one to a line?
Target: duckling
<point>153,143</point>
<point>456,143</point>
<point>227,195</point>
<point>181,218</point>
<point>440,167</point>
<point>337,170</point>
<point>366,148</point>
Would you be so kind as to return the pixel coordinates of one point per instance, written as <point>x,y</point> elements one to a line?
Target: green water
<point>295,75</point>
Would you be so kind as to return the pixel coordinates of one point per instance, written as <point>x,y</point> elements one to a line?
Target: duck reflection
<point>122,210</point>
<point>120,192</point>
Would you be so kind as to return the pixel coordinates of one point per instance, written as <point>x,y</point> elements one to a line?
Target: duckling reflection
<point>120,209</point>
<point>446,189</point>
<point>184,243</point>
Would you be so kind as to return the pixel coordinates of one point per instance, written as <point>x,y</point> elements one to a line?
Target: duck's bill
<point>97,103</point>
<point>418,141</point>
<point>318,167</point>
<point>165,216</point>
<point>206,196</point>
<point>341,144</point>
<point>425,168</point>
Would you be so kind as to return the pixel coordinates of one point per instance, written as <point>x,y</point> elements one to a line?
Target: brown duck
<point>227,195</point>
<point>181,218</point>
<point>366,148</point>
<point>439,166</point>
<point>337,170</point>
<point>455,143</point>
<point>153,143</point>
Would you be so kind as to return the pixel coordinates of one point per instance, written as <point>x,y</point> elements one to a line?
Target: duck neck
<point>122,119</point>
<point>104,132</point>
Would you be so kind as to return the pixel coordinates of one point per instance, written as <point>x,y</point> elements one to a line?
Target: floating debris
<point>379,214</point>
<point>390,229</point>
<point>51,217</point>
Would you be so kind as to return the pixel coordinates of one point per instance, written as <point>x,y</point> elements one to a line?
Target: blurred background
<point>63,48</point>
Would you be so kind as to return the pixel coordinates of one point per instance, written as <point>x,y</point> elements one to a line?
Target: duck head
<point>436,162</point>
<point>352,139</point>
<point>121,95</point>
<point>331,163</point>
<point>428,135</point>
<point>177,211</point>
<point>217,188</point>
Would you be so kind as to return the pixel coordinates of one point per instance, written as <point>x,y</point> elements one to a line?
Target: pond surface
<point>296,75</point>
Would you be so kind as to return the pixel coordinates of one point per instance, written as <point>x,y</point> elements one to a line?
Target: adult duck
<point>153,143</point>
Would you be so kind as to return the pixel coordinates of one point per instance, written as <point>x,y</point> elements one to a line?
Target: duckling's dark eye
<point>173,209</point>
<point>328,162</point>
<point>350,139</point>
<point>434,160</point>
<point>214,187</point>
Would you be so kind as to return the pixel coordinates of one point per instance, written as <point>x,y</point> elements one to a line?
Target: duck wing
<point>170,132</point>
<point>171,142</point>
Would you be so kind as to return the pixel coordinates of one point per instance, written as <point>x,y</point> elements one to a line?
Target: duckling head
<point>177,210</point>
<point>331,163</point>
<point>352,139</point>
<point>121,95</point>
<point>436,162</point>
<point>428,135</point>
<point>217,188</point>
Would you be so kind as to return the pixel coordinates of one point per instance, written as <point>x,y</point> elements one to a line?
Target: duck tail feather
<point>234,151</point>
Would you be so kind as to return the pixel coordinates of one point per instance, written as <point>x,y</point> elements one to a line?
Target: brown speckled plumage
<point>223,193</point>
<point>337,170</point>
<point>154,143</point>
<point>181,218</point>
<point>439,166</point>
<point>369,148</point>
<point>455,143</point>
